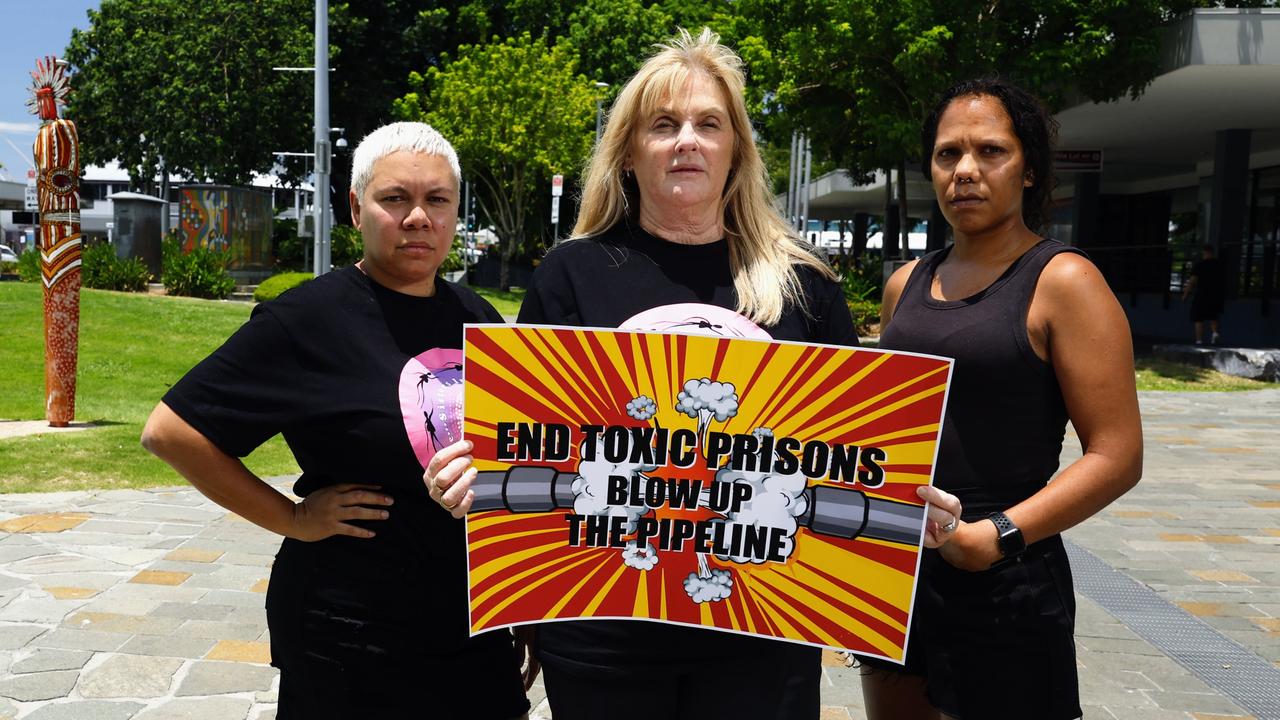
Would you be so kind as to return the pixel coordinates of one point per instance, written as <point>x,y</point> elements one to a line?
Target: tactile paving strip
<point>1223,664</point>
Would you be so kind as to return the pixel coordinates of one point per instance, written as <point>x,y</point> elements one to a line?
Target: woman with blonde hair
<point>731,200</point>
<point>677,232</point>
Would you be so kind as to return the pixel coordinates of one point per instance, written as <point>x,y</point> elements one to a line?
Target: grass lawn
<point>132,348</point>
<point>507,302</point>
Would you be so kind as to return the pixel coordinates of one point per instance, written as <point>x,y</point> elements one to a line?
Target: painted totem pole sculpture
<point>57,152</point>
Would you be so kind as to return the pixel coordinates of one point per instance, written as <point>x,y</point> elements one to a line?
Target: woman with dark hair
<point>1038,338</point>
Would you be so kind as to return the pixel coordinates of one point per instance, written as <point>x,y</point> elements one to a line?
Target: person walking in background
<point>1209,294</point>
<point>1038,338</point>
<point>360,370</point>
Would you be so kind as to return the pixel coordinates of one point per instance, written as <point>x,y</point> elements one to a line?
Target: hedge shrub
<point>346,245</point>
<point>101,269</point>
<point>862,282</point>
<point>455,260</point>
<point>866,315</point>
<point>274,286</point>
<point>200,273</point>
<point>286,246</point>
<point>29,266</point>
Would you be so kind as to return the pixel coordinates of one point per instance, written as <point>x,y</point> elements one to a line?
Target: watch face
<point>1010,539</point>
<point>1011,543</point>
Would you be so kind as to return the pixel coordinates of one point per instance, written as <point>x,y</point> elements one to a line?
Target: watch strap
<point>1008,536</point>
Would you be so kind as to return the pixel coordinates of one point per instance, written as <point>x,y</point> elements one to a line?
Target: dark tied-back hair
<point>1036,129</point>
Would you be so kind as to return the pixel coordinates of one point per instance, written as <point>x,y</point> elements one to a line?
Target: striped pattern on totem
<point>57,151</point>
<point>60,258</point>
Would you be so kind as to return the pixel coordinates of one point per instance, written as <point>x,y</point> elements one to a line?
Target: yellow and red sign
<point>750,486</point>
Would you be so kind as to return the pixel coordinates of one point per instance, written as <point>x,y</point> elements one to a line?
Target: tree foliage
<point>192,83</point>
<point>375,45</point>
<point>612,37</point>
<point>518,112</point>
<point>861,75</point>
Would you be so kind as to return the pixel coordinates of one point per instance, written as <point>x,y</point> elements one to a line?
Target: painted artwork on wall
<point>234,219</point>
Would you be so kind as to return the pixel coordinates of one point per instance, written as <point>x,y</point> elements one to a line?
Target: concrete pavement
<point>148,605</point>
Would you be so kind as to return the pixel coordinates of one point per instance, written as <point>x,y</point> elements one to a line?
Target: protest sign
<point>744,485</point>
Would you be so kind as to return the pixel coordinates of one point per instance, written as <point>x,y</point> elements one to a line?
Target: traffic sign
<point>555,209</point>
<point>557,185</point>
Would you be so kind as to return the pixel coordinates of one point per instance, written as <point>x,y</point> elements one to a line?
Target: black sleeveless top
<point>1005,417</point>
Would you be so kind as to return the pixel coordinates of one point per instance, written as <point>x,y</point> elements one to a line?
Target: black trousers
<point>997,644</point>
<point>742,688</point>
<point>349,644</point>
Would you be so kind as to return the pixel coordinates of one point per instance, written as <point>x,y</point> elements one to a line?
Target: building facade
<point>1193,161</point>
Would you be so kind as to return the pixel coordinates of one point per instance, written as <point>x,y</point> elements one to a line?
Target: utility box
<point>136,228</point>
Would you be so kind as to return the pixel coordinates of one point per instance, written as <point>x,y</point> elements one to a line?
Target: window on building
<point>1184,247</point>
<point>1258,251</point>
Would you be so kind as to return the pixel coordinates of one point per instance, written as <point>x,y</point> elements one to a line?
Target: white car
<point>7,255</point>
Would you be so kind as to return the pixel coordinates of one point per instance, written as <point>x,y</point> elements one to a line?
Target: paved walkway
<point>149,604</point>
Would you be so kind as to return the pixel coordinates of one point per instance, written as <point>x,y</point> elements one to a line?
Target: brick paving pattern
<point>148,605</point>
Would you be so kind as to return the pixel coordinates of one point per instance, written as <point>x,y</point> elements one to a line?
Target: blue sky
<point>32,29</point>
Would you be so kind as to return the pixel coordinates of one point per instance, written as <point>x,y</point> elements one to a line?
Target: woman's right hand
<point>449,476</point>
<point>324,513</point>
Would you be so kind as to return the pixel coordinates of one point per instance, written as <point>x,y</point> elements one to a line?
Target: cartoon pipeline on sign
<point>759,497</point>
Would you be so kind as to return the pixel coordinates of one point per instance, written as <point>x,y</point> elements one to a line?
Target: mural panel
<point>233,219</point>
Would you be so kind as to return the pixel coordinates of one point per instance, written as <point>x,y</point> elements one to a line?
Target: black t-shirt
<point>365,384</point>
<point>630,279</point>
<point>1209,279</point>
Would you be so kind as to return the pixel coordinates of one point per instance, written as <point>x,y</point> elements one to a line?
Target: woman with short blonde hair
<point>360,369</point>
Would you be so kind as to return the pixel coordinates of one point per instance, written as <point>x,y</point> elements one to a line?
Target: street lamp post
<point>321,258</point>
<point>323,157</point>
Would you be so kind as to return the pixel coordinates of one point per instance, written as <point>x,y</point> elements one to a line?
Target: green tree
<point>860,76</point>
<point>191,85</point>
<point>613,37</point>
<point>375,45</point>
<point>517,111</point>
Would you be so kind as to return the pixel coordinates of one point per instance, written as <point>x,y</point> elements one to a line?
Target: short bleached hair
<point>392,138</point>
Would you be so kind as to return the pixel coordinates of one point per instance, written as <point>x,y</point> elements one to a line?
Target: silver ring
<point>951,526</point>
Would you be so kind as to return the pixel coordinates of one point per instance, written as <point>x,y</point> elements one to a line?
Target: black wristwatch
<point>1008,536</point>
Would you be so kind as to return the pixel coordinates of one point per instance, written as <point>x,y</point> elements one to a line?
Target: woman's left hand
<point>944,515</point>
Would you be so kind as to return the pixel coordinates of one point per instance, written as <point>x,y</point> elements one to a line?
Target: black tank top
<point>1005,417</point>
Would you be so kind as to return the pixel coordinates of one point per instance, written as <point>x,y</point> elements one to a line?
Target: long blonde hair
<point>763,250</point>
